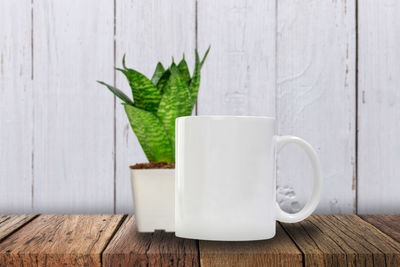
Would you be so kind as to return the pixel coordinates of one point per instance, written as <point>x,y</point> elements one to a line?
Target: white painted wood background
<point>65,142</point>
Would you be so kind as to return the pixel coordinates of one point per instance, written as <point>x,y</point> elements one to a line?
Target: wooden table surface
<point>112,240</point>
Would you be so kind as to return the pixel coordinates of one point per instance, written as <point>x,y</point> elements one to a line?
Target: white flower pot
<point>154,199</point>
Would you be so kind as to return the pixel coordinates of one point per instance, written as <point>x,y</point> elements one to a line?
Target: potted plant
<point>157,102</point>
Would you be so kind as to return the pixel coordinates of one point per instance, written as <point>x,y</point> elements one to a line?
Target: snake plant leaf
<point>145,94</point>
<point>163,81</point>
<point>195,81</point>
<point>123,62</point>
<point>118,93</point>
<point>205,56</point>
<point>151,134</point>
<point>175,103</point>
<point>157,102</point>
<point>157,73</point>
<point>184,69</point>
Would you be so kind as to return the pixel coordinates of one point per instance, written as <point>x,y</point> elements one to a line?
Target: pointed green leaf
<point>205,56</point>
<point>175,103</point>
<point>151,134</point>
<point>163,81</point>
<point>157,73</point>
<point>195,81</point>
<point>145,94</point>
<point>184,69</point>
<point>118,93</point>
<point>123,62</point>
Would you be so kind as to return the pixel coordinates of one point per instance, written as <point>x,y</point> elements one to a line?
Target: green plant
<point>157,102</point>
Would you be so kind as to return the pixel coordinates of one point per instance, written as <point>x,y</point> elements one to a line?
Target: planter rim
<point>146,170</point>
<point>219,117</point>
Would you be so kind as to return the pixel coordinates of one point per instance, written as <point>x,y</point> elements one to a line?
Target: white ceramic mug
<point>225,184</point>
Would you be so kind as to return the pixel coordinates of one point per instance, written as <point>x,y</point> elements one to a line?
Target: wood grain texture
<point>279,251</point>
<point>239,75</point>
<point>148,32</point>
<point>10,223</point>
<point>331,240</point>
<point>316,101</point>
<point>389,224</point>
<point>57,240</point>
<point>74,133</point>
<point>130,248</point>
<point>15,107</point>
<point>378,102</point>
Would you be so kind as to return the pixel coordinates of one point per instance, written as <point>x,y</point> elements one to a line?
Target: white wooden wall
<point>379,106</point>
<point>316,99</point>
<point>65,143</point>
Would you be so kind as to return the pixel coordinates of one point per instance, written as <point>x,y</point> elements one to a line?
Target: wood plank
<point>56,240</point>
<point>379,107</point>
<point>279,251</point>
<point>389,224</point>
<point>239,75</point>
<point>332,240</point>
<point>316,48</point>
<point>10,223</point>
<point>74,116</point>
<point>148,32</point>
<point>130,248</point>
<point>16,107</point>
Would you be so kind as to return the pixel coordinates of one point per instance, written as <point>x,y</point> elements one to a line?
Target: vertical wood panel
<point>73,47</point>
<point>378,102</point>
<point>239,75</point>
<point>316,100</point>
<point>148,32</point>
<point>15,107</point>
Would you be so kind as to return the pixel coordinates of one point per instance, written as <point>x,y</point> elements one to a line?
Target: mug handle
<point>282,216</point>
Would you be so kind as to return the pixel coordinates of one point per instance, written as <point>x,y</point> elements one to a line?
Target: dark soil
<point>153,165</point>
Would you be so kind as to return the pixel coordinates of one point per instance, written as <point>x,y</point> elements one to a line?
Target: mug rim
<point>225,117</point>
